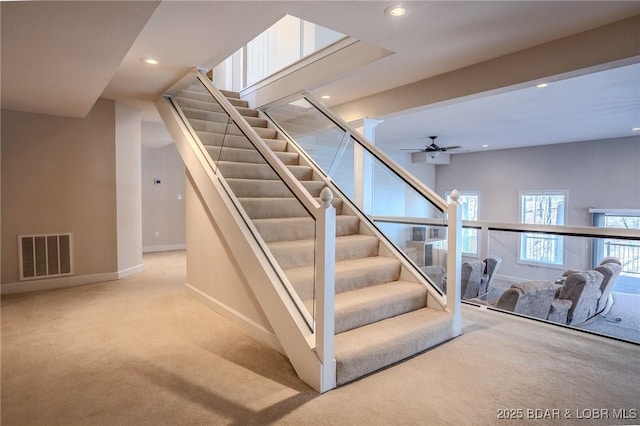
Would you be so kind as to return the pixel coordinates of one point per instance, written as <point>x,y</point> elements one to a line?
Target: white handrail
<point>325,221</point>
<point>283,172</point>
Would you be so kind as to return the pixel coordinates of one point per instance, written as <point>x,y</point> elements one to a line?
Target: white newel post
<point>454,260</point>
<point>325,288</point>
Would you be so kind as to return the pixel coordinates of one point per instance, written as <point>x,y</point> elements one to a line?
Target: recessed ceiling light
<point>541,85</point>
<point>485,145</point>
<point>396,11</point>
<point>635,129</point>
<point>149,61</point>
<point>325,97</point>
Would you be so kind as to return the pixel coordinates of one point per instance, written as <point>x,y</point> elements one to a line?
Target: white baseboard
<point>164,247</point>
<point>67,281</point>
<point>249,326</point>
<point>56,283</point>
<point>130,271</point>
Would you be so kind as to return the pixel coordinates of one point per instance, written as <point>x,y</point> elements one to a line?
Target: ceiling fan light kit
<point>434,150</point>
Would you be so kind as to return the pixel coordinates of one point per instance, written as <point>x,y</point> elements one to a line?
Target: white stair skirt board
<point>249,326</point>
<point>374,291</point>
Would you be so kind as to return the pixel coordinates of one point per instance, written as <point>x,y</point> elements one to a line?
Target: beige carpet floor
<point>140,352</point>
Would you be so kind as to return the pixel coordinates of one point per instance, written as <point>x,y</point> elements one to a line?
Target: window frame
<point>558,238</point>
<point>466,232</point>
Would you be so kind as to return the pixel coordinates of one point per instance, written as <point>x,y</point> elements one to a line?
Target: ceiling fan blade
<point>448,148</point>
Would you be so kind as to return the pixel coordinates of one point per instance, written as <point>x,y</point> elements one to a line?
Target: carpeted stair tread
<point>205,98</point>
<point>262,208</point>
<point>374,346</point>
<point>301,228</point>
<point>230,129</point>
<point>271,188</point>
<point>230,94</point>
<point>242,155</point>
<point>350,274</point>
<point>298,253</point>
<point>367,305</point>
<point>185,102</point>
<point>199,88</point>
<point>231,169</point>
<point>202,94</point>
<point>220,117</point>
<point>237,141</point>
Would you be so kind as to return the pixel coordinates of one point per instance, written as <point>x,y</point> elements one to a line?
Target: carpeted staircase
<point>380,311</point>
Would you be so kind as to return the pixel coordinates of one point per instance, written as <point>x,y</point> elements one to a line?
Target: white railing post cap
<point>326,196</point>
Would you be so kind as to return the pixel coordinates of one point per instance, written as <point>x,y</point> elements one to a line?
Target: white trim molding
<point>164,247</point>
<point>57,283</point>
<point>130,271</point>
<point>249,326</point>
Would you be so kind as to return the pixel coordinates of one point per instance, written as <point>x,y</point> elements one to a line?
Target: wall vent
<point>45,256</point>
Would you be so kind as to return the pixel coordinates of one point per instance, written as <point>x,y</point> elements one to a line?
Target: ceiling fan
<point>434,149</point>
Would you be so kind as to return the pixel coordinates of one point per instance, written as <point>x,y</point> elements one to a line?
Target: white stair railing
<point>324,215</point>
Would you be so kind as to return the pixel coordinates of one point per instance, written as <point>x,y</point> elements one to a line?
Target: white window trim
<point>519,259</point>
<point>447,197</point>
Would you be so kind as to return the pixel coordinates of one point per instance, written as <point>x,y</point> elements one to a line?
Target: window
<point>542,208</point>
<point>281,45</point>
<point>628,251</point>
<point>469,207</point>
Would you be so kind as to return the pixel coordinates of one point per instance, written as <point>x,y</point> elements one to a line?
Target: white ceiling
<point>58,57</point>
<point>595,106</point>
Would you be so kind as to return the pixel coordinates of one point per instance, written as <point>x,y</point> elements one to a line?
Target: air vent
<point>45,256</point>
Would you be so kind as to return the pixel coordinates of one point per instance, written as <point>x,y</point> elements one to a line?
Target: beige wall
<point>212,269</point>
<point>595,174</point>
<point>59,175</point>
<point>128,188</point>
<point>600,174</point>
<point>163,209</point>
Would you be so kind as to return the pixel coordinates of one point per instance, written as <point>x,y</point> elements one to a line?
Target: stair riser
<point>302,229</point>
<point>204,98</point>
<point>267,208</point>
<point>260,171</point>
<point>346,281</point>
<point>250,188</point>
<point>235,141</point>
<point>233,97</point>
<point>199,105</point>
<point>220,117</point>
<point>346,321</point>
<point>303,254</point>
<point>248,156</point>
<point>397,348</point>
<point>229,129</point>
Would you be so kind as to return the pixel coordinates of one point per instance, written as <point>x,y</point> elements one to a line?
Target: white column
<point>363,165</point>
<point>128,188</point>
<point>454,260</point>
